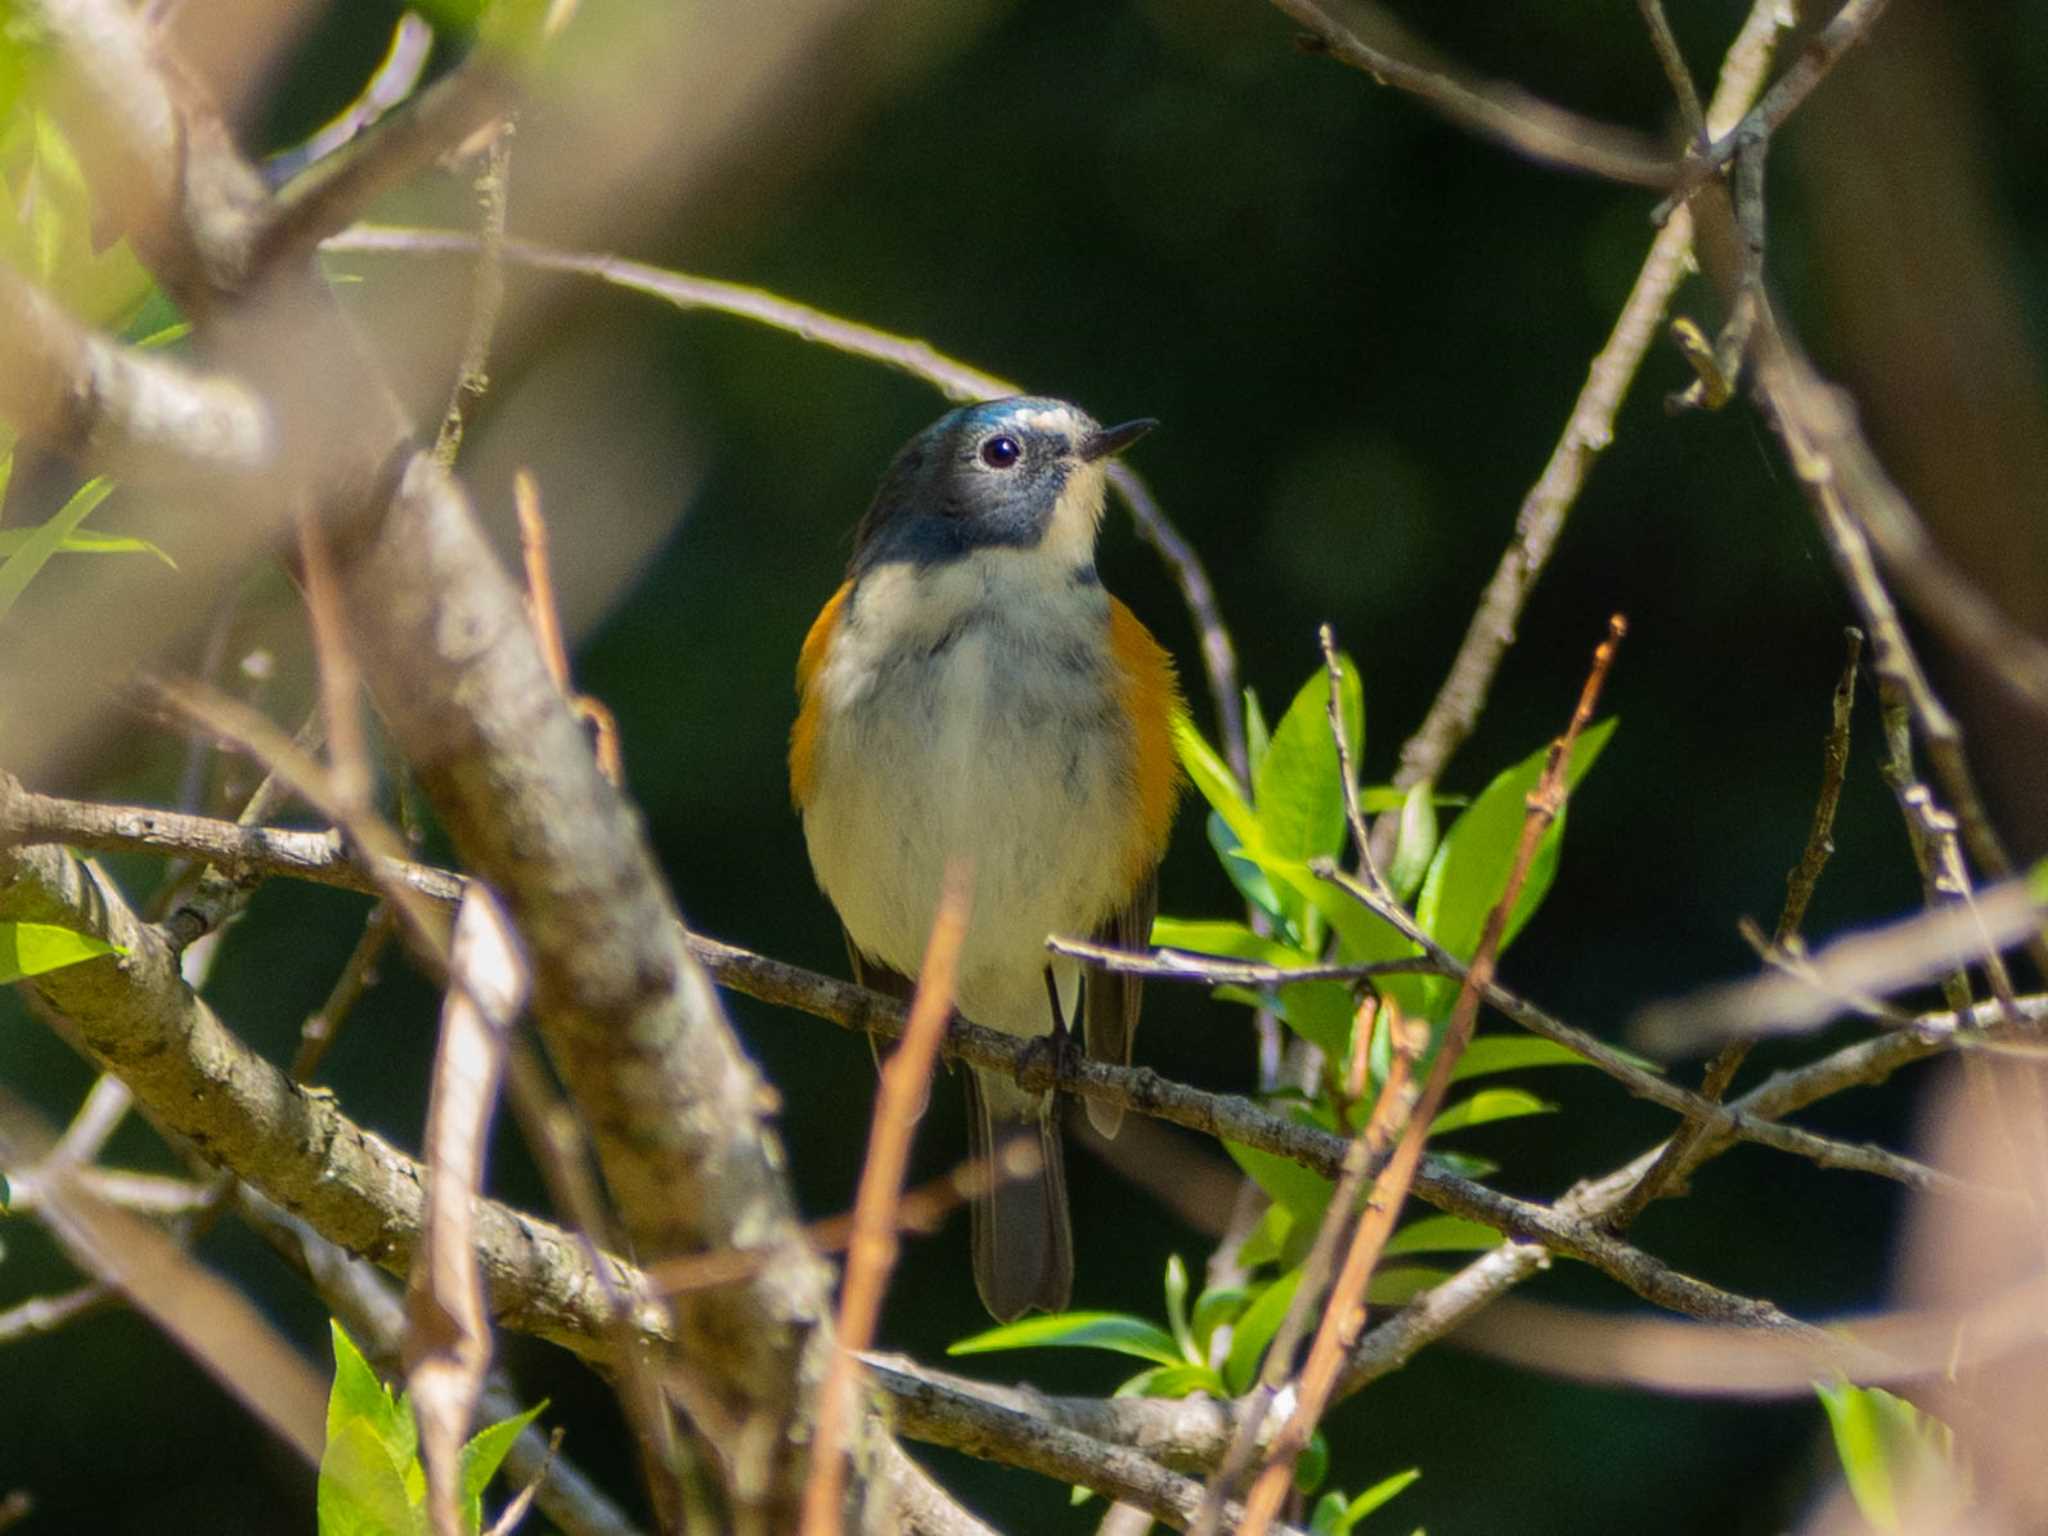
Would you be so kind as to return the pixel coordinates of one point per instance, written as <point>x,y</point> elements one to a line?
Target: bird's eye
<point>1001,452</point>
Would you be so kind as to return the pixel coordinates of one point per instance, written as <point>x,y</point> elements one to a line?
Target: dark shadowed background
<point>1361,330</point>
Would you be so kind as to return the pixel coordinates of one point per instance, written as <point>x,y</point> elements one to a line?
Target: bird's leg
<point>1057,1053</point>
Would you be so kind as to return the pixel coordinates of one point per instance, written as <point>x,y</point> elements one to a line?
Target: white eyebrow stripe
<point>1058,420</point>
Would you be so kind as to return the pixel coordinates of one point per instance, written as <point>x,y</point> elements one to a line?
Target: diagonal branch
<point>1504,113</point>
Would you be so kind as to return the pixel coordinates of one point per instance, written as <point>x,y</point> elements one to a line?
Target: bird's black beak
<point>1108,441</point>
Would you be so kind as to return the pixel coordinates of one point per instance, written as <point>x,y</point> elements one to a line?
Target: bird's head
<point>1024,473</point>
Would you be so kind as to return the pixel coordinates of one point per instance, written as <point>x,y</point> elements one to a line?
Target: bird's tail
<point>1023,1247</point>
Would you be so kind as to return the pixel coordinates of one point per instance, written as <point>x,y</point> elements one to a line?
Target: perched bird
<point>972,690</point>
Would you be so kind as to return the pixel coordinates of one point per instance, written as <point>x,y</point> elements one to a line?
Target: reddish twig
<point>906,1078</point>
<point>1345,1315</point>
<point>546,621</point>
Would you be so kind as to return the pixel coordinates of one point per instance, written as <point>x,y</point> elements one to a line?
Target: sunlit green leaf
<point>1898,1460</point>
<point>1298,792</point>
<point>1488,1105</point>
<point>1400,1284</point>
<point>362,1491</point>
<point>358,1394</point>
<point>86,542</point>
<point>1213,780</point>
<point>485,1453</point>
<point>1257,738</point>
<point>1213,1308</point>
<point>1375,1496</point>
<point>1232,940</point>
<point>1118,1332</point>
<point>1512,1053</point>
<point>1255,1330</point>
<point>30,949</point>
<point>1177,1307</point>
<point>1268,1239</point>
<point>19,569</point>
<point>1414,842</point>
<point>1304,1193</point>
<point>1471,867</point>
<point>1443,1234</point>
<point>1173,1381</point>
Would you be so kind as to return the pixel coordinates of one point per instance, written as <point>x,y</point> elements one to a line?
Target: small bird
<point>972,690</point>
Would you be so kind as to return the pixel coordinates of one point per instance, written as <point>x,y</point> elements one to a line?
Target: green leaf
<point>1320,1012</point>
<point>1213,780</point>
<point>30,949</point>
<point>43,541</point>
<point>1313,1464</point>
<point>1298,791</point>
<point>1255,1330</point>
<point>1464,1164</point>
<point>1273,1238</point>
<point>1257,738</point>
<point>1375,1496</point>
<point>1234,941</point>
<point>1471,867</point>
<point>1216,1306</point>
<point>1488,1105</point>
<point>1182,1380</point>
<point>86,542</point>
<point>1177,1307</point>
<point>1415,842</point>
<point>1118,1332</point>
<point>1251,881</point>
<point>1443,1234</point>
<point>485,1453</point>
<point>362,1491</point>
<point>1401,1284</point>
<point>359,1394</point>
<point>1512,1053</point>
<point>1304,1194</point>
<point>1898,1460</point>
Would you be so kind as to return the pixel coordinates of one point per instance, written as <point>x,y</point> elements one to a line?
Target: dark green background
<point>1361,330</point>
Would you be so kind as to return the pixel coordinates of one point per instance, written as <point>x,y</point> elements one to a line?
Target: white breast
<point>977,719</point>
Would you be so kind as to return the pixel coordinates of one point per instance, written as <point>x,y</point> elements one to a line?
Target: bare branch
<point>957,381</point>
<point>1588,430</point>
<point>1504,113</point>
<point>134,413</point>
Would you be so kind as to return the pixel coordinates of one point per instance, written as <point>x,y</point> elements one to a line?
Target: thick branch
<point>131,413</point>
<point>135,1017</point>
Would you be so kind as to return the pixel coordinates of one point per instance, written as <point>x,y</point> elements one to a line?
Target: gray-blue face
<point>984,476</point>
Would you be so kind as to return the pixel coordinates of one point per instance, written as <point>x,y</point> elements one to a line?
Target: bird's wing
<point>1109,1009</point>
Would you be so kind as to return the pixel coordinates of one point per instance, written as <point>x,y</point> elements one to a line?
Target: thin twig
<point>1849,26</point>
<point>235,723</point>
<point>1672,57</point>
<point>1588,430</point>
<point>1406,1126</point>
<point>955,380</point>
<point>906,1083</point>
<point>487,293</point>
<point>316,856</point>
<point>448,1335</point>
<point>1361,836</point>
<point>1504,113</point>
<point>1817,424</point>
<point>358,975</point>
<point>349,778</point>
<point>1364,1160</point>
<point>546,621</point>
<point>1799,888</point>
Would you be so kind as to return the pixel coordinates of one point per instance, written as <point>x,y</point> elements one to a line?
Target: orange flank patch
<point>803,736</point>
<point>1151,696</point>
